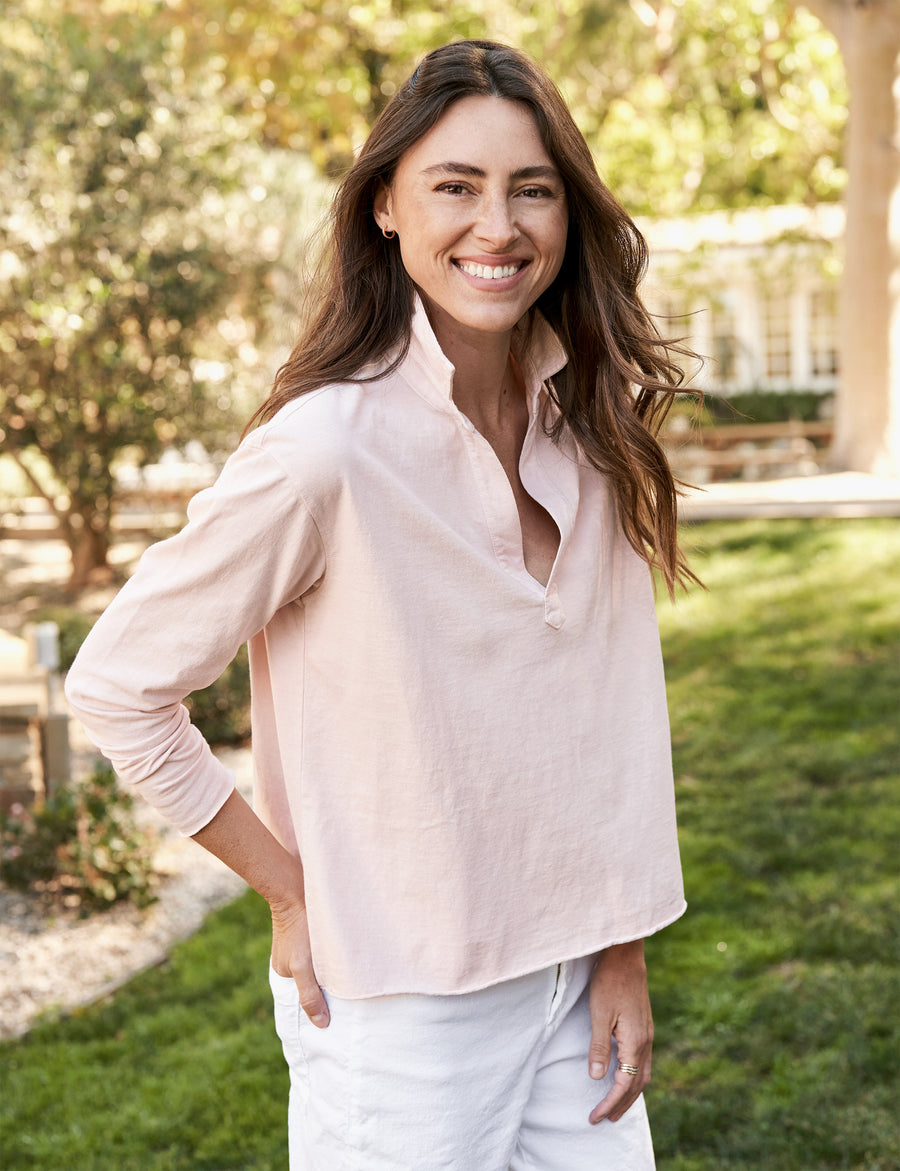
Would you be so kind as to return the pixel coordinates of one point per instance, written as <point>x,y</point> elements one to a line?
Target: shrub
<point>74,626</point>
<point>767,406</point>
<point>82,847</point>
<point>222,710</point>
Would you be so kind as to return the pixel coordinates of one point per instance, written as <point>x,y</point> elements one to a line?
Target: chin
<point>490,318</point>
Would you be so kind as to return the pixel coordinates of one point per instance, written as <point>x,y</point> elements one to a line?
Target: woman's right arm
<point>242,842</point>
<point>251,547</point>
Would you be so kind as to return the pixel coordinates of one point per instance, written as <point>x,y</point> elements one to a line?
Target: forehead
<point>489,132</point>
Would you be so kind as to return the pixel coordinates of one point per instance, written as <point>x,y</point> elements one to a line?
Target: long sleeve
<point>250,548</point>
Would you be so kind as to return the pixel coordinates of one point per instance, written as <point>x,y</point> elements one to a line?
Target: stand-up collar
<point>536,347</point>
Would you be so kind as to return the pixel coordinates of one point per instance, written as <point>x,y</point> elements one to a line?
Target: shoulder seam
<point>264,449</point>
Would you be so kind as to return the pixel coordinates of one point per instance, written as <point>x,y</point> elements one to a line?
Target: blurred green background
<point>163,166</point>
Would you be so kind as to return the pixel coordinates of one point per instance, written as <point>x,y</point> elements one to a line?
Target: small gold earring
<point>388,233</point>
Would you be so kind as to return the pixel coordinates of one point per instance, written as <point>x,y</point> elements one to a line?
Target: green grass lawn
<point>180,1069</point>
<point>776,997</point>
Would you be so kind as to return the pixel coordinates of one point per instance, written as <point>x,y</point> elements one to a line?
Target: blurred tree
<point>688,104</point>
<point>867,416</point>
<point>130,256</point>
<point>138,215</point>
<point>318,71</point>
<point>699,104</point>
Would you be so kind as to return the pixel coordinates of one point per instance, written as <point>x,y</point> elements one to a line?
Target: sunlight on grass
<point>778,1037</point>
<point>181,1069</point>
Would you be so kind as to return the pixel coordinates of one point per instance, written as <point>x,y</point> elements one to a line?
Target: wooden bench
<point>747,450</point>
<point>137,510</point>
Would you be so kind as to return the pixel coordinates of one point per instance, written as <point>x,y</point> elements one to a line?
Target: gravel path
<point>51,965</point>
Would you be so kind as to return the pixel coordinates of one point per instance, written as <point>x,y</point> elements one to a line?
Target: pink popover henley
<point>474,769</point>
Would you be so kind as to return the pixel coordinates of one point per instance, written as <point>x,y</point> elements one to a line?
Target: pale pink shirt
<point>474,769</point>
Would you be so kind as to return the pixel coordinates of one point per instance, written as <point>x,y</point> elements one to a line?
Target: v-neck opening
<point>497,526</point>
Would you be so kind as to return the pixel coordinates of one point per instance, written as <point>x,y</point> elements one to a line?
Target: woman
<point>438,546</point>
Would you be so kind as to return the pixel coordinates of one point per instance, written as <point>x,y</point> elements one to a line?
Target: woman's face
<point>481,217</point>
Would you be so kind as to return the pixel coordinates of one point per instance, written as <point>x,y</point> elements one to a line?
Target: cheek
<point>562,241</point>
<point>553,240</point>
<point>427,242</point>
<point>562,228</point>
<point>432,223</point>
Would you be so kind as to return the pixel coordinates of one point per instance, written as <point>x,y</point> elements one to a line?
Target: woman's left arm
<point>620,1007</point>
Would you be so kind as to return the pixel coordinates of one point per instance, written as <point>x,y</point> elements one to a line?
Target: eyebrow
<point>538,172</point>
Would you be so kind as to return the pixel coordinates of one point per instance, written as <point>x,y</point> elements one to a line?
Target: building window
<point>776,314</point>
<point>823,351</point>
<point>723,342</point>
<point>671,316</point>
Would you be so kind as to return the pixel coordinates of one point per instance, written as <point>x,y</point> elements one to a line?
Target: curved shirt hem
<point>514,973</point>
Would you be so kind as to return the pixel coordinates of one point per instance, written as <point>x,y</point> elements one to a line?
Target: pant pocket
<point>288,1022</point>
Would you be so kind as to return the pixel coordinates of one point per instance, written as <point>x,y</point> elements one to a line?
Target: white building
<point>754,291</point>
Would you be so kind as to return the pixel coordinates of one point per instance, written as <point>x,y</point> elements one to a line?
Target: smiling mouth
<point>487,272</point>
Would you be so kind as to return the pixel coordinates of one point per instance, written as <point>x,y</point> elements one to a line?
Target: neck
<point>485,387</point>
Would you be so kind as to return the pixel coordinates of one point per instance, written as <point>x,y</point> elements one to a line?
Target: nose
<point>496,224</point>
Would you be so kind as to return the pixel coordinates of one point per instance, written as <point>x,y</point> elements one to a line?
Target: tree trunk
<point>88,538</point>
<point>867,413</point>
<point>85,525</point>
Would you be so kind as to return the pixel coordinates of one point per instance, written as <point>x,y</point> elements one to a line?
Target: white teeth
<point>488,273</point>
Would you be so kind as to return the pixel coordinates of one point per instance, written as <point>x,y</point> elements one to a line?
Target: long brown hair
<point>621,376</point>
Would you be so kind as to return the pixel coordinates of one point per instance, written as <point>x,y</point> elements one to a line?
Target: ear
<point>382,207</point>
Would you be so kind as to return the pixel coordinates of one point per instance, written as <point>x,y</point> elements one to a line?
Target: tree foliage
<point>726,104</point>
<point>688,104</point>
<point>143,205</point>
<point>131,256</point>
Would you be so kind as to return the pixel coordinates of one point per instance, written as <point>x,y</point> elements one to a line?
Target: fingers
<point>291,956</point>
<point>624,1092</point>
<point>620,1008</point>
<point>601,1048</point>
<point>311,999</point>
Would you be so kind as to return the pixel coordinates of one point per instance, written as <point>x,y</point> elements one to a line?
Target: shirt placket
<point>502,516</point>
<point>550,475</point>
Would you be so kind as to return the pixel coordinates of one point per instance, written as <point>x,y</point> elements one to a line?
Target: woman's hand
<point>239,838</point>
<point>620,1007</point>
<point>291,956</point>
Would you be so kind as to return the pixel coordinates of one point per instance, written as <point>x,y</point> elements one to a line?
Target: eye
<point>453,188</point>
<point>536,192</point>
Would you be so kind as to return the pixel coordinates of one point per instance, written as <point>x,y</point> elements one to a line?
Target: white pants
<point>494,1080</point>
